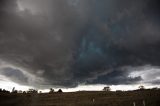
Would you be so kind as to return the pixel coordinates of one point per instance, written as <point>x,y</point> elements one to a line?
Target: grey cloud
<point>14,75</point>
<point>156,82</point>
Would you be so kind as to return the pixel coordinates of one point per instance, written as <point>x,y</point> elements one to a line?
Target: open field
<point>101,98</point>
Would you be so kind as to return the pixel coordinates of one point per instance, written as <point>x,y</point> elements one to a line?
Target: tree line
<point>34,91</point>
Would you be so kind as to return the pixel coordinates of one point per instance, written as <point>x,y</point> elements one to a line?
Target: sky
<point>79,44</point>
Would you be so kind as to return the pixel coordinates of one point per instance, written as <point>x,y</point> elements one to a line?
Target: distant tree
<point>51,90</point>
<point>0,89</point>
<point>20,91</point>
<point>60,91</point>
<point>155,88</point>
<point>24,92</point>
<point>13,89</point>
<point>119,91</point>
<point>141,87</point>
<point>32,91</point>
<point>107,88</point>
<point>4,91</point>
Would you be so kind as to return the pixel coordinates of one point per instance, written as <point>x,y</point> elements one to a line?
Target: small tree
<point>32,91</point>
<point>60,91</point>
<point>141,87</point>
<point>107,88</point>
<point>51,90</point>
<point>24,92</point>
<point>14,91</point>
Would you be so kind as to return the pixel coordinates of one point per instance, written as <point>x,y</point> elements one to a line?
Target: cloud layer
<point>71,42</point>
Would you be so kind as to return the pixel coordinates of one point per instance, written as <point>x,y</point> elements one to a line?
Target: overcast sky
<point>70,43</point>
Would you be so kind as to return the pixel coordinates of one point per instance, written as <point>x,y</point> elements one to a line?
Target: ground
<point>83,98</point>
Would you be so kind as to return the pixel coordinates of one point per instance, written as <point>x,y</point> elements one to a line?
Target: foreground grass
<point>151,98</point>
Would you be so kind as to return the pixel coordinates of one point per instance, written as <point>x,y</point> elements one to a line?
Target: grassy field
<point>151,98</point>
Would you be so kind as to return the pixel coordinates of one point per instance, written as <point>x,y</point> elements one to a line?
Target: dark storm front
<point>72,42</point>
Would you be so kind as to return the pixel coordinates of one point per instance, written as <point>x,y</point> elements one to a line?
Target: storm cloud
<point>71,42</point>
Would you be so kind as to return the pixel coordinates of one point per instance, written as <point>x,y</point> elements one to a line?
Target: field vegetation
<point>145,97</point>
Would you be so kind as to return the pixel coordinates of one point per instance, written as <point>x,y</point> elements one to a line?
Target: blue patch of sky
<point>91,49</point>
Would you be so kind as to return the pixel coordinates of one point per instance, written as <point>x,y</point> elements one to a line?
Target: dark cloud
<point>7,5</point>
<point>116,77</point>
<point>66,42</point>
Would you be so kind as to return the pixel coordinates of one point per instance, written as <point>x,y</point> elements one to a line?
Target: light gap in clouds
<point>27,5</point>
<point>148,73</point>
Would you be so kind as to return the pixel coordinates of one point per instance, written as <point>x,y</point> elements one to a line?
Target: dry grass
<point>151,97</point>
